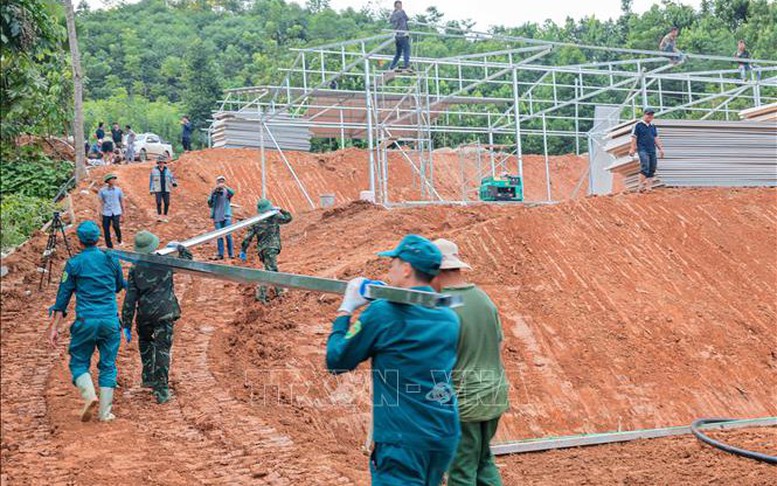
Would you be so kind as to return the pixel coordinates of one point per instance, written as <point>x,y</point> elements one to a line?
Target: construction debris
<point>703,153</point>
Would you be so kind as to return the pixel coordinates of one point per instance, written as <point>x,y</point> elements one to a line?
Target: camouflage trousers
<point>270,259</point>
<point>155,340</point>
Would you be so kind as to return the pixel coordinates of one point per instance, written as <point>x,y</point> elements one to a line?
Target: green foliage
<point>202,91</point>
<point>35,91</point>
<point>159,56</point>
<point>27,172</point>
<point>148,63</point>
<point>28,183</point>
<point>22,215</point>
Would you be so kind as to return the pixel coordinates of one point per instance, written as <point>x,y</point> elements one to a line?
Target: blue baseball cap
<point>419,252</point>
<point>88,232</point>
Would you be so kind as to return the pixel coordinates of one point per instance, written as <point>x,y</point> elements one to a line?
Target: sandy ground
<point>629,311</point>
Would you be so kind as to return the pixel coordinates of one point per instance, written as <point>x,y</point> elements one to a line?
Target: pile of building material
<point>241,129</point>
<point>760,113</point>
<point>703,153</point>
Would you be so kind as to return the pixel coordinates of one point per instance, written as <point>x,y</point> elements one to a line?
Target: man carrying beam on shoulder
<point>95,277</point>
<point>479,375</point>
<point>413,351</point>
<point>150,291</point>
<point>268,242</point>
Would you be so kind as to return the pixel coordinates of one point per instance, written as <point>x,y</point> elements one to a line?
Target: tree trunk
<point>78,92</point>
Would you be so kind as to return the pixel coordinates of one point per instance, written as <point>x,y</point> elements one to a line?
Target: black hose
<point>758,456</point>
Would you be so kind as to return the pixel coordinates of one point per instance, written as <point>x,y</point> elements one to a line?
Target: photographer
<point>221,213</point>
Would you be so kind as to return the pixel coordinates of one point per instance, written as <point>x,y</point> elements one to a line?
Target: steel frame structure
<point>344,91</point>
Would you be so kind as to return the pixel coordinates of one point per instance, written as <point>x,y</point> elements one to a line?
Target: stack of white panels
<point>704,153</point>
<point>760,113</point>
<point>234,129</point>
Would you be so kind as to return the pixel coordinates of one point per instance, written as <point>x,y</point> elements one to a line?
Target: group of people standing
<point>108,147</point>
<point>119,145</point>
<point>111,199</point>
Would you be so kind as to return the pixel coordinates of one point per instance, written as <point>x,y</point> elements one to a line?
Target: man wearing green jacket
<point>479,376</point>
<point>413,350</point>
<point>151,293</point>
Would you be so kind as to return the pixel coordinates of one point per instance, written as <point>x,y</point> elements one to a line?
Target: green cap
<point>419,252</point>
<point>88,232</point>
<point>263,205</point>
<point>109,177</point>
<point>161,158</point>
<point>649,109</point>
<point>146,242</point>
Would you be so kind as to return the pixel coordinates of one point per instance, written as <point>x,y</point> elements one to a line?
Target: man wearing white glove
<point>413,351</point>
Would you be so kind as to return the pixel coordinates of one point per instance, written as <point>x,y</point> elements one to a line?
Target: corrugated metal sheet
<point>760,113</point>
<point>704,153</point>
<point>233,129</point>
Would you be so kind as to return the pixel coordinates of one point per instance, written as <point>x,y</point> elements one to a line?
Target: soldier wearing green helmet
<point>150,302</point>
<point>268,242</point>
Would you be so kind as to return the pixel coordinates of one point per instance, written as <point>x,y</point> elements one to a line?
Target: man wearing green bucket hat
<point>95,277</point>
<point>413,351</point>
<point>151,293</point>
<point>268,242</point>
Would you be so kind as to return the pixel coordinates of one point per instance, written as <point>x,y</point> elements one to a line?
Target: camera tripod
<point>47,262</point>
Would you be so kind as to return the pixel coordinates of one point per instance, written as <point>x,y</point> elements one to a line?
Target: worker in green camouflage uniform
<point>268,242</point>
<point>150,291</point>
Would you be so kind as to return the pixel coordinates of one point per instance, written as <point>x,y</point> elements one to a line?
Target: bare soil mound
<point>630,311</point>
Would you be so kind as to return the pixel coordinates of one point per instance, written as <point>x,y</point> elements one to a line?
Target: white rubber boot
<point>86,387</point>
<point>106,403</point>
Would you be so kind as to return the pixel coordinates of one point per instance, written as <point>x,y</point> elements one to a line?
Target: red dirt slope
<point>627,311</point>
<point>345,174</point>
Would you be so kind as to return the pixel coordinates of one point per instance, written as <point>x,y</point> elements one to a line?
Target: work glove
<point>243,256</point>
<point>365,283</point>
<point>353,298</point>
<point>127,334</point>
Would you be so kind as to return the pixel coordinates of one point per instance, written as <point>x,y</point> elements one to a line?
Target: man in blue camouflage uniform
<point>95,277</point>
<point>268,242</point>
<point>150,290</point>
<point>413,351</point>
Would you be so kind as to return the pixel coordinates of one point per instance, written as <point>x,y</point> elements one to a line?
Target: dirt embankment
<point>623,312</point>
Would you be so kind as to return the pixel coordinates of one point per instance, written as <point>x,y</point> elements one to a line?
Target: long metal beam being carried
<point>219,233</point>
<point>288,280</point>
